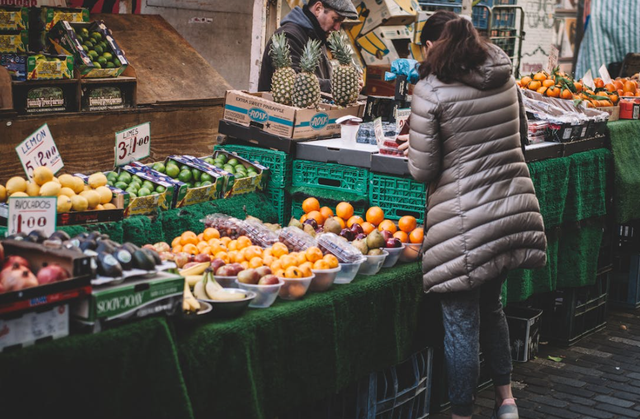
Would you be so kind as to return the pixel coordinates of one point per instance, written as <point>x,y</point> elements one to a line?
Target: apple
<point>216,263</point>
<point>181,259</point>
<point>312,223</point>
<point>386,234</point>
<point>393,242</point>
<point>269,280</point>
<point>347,234</point>
<point>248,276</point>
<point>357,229</point>
<point>149,246</point>
<point>236,268</point>
<point>189,264</point>
<point>202,257</point>
<point>162,247</point>
<point>361,236</point>
<point>264,271</point>
<point>225,270</point>
<point>167,256</point>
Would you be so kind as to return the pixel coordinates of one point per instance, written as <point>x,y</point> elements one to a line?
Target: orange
<point>619,84</point>
<point>233,245</point>
<point>252,251</point>
<point>217,247</point>
<point>566,94</point>
<point>540,76</point>
<point>313,254</point>
<point>367,227</point>
<point>374,215</point>
<point>610,87</point>
<point>303,218</point>
<point>306,269</point>
<point>553,91</point>
<point>315,215</point>
<point>266,252</point>
<point>525,81</point>
<point>214,242</point>
<point>275,265</point>
<point>407,223</point>
<point>331,260</point>
<point>326,212</point>
<point>301,258</point>
<point>578,86</point>
<point>288,260</point>
<point>200,237</point>
<point>534,85</point>
<point>211,233</point>
<point>224,256</point>
<point>279,249</point>
<point>176,249</point>
<point>268,260</point>
<point>255,262</point>
<point>629,86</point>
<point>548,83</point>
<point>416,235</point>
<point>225,240</point>
<point>177,241</point>
<point>542,90</point>
<point>279,273</point>
<point>205,250</point>
<point>245,264</point>
<point>341,221</point>
<point>188,237</point>
<point>402,236</point>
<point>293,272</point>
<point>356,219</point>
<point>243,241</point>
<point>201,245</point>
<point>232,255</point>
<point>310,204</point>
<point>388,225</point>
<point>598,82</point>
<point>321,264</point>
<point>190,248</point>
<point>344,210</point>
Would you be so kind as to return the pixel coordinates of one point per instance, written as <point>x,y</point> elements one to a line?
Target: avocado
<point>124,257</point>
<point>153,255</point>
<point>105,246</point>
<point>143,261</point>
<point>95,235</point>
<point>60,235</point>
<point>88,244</point>
<point>131,248</point>
<point>109,265</point>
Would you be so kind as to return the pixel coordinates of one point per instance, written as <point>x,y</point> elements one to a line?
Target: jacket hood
<point>494,73</point>
<point>298,17</point>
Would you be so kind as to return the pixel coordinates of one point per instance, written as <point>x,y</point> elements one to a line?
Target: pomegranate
<point>16,259</point>
<point>52,273</point>
<point>1,254</point>
<point>17,277</point>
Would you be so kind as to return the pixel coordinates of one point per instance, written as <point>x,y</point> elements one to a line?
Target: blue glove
<point>403,66</point>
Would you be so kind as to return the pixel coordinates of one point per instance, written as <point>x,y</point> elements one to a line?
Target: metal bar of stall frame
<point>518,34</point>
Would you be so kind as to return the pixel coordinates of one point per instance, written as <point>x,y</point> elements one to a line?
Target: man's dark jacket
<point>300,25</point>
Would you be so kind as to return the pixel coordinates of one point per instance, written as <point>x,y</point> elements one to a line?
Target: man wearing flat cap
<point>316,20</point>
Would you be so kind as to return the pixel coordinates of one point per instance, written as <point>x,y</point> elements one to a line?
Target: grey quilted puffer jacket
<point>483,215</point>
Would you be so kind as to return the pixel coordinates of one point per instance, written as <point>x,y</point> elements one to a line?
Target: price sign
<point>133,144</point>
<point>588,80</point>
<point>604,74</point>
<point>39,149</point>
<point>32,213</point>
<point>377,128</point>
<point>554,52</point>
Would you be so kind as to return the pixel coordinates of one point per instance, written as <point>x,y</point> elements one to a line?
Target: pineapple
<point>284,76</point>
<point>306,89</point>
<point>345,77</point>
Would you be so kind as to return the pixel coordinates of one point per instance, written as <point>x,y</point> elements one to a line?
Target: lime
<point>148,185</point>
<point>84,31</point>
<point>132,194</point>
<point>209,160</point>
<point>97,36</point>
<point>196,185</point>
<point>229,169</point>
<point>88,43</point>
<point>143,192</point>
<point>172,170</point>
<point>125,177</point>
<point>103,61</point>
<point>132,190</point>
<point>116,62</point>
<point>185,176</point>
<point>159,167</point>
<point>85,48</point>
<point>206,183</point>
<point>108,56</point>
<point>112,176</point>
<point>206,177</point>
<point>160,189</point>
<point>233,162</point>
<point>196,174</point>
<point>99,50</point>
<point>103,44</point>
<point>121,185</point>
<point>96,64</point>
<point>110,65</point>
<point>222,157</point>
<point>93,55</point>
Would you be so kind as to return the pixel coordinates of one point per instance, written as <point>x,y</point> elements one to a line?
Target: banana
<point>199,290</point>
<point>226,296</point>
<point>192,280</point>
<point>195,269</point>
<point>189,303</point>
<point>212,287</point>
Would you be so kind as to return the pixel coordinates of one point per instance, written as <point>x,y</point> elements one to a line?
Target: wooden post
<point>266,19</point>
<point>466,7</point>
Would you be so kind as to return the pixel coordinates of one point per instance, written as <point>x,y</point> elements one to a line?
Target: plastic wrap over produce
<point>403,67</point>
<point>259,234</point>
<point>296,239</point>
<point>339,247</point>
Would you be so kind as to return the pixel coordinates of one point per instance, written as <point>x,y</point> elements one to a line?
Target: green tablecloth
<point>625,145</point>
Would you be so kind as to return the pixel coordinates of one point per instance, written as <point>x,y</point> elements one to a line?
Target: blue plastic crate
<point>479,14</point>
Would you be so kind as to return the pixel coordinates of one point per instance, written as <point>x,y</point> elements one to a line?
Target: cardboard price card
<point>378,130</point>
<point>32,213</point>
<point>39,149</point>
<point>133,144</point>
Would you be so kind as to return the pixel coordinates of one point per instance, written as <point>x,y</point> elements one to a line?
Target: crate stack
<point>398,196</point>
<point>625,277</point>
<point>278,179</point>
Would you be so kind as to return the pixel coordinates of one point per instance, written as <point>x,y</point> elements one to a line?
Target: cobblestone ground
<point>598,377</point>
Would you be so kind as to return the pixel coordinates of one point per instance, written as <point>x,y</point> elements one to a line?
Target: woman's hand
<point>405,144</point>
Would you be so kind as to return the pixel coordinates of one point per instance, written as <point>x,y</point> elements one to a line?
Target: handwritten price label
<point>133,144</point>
<point>32,213</point>
<point>378,130</point>
<point>39,149</point>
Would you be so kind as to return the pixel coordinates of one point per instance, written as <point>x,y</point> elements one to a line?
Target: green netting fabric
<point>269,361</point>
<point>551,181</point>
<point>625,145</point>
<point>588,175</point>
<point>329,195</point>
<point>125,372</point>
<point>142,230</point>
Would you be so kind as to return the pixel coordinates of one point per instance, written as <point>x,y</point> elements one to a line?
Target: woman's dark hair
<point>458,51</point>
<point>434,26</point>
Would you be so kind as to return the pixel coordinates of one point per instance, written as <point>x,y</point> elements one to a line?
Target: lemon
<point>16,184</point>
<point>56,180</point>
<point>42,175</point>
<point>97,179</point>
<point>92,197</point>
<point>105,194</point>
<point>67,181</point>
<point>86,188</point>
<point>50,189</point>
<point>64,203</point>
<point>109,206</point>
<point>3,193</point>
<point>18,194</point>
<point>33,189</point>
<point>99,207</point>
<point>67,191</point>
<point>78,184</point>
<point>79,203</point>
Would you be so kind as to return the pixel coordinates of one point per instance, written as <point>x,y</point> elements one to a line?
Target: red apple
<point>387,234</point>
<point>357,229</point>
<point>347,234</point>
<point>248,276</point>
<point>162,247</point>
<point>264,271</point>
<point>202,257</point>
<point>225,270</point>
<point>216,263</point>
<point>189,264</point>
<point>393,242</point>
<point>269,280</point>
<point>181,259</point>
<point>236,268</point>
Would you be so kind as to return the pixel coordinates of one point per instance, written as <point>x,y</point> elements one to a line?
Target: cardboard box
<point>51,15</point>
<point>65,40</point>
<point>237,186</point>
<point>418,25</point>
<point>377,86</point>
<point>149,205</point>
<point>16,65</point>
<point>385,44</point>
<point>34,327</point>
<point>14,18</point>
<point>629,109</point>
<point>259,110</point>
<point>14,42</point>
<point>108,94</point>
<point>219,188</point>
<point>133,299</point>
<point>49,67</point>
<point>375,13</point>
<point>46,96</point>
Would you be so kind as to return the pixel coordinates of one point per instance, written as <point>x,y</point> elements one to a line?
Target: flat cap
<point>344,8</point>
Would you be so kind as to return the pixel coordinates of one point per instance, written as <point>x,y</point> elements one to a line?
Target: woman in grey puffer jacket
<point>483,216</point>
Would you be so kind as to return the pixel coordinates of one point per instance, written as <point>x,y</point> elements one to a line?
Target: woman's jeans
<point>473,319</point>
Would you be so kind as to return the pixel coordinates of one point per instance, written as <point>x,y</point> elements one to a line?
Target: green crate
<point>281,200</point>
<point>331,176</point>
<point>278,162</point>
<point>296,206</point>
<point>398,196</point>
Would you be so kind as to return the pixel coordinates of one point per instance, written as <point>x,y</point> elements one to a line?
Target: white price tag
<point>133,144</point>
<point>377,128</point>
<point>32,213</point>
<point>39,149</point>
<point>588,81</point>
<point>552,63</point>
<point>604,74</point>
